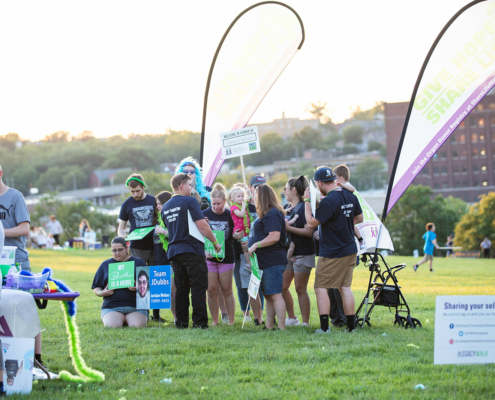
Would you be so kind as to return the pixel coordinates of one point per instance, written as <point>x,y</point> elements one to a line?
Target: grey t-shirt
<point>13,211</point>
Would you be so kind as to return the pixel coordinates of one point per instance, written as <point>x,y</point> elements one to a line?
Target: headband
<point>133,178</point>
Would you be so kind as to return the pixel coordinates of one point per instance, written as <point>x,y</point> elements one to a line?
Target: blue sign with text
<point>160,287</point>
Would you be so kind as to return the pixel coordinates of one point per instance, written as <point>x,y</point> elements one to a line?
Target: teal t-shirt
<point>429,237</point>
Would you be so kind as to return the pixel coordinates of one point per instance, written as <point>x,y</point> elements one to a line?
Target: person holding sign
<point>139,210</point>
<point>119,305</point>
<point>183,219</point>
<point>337,213</point>
<point>221,266</point>
<point>300,269</point>
<point>160,239</point>
<point>266,238</point>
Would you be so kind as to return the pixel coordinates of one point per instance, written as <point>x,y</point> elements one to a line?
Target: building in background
<point>464,166</point>
<point>286,127</point>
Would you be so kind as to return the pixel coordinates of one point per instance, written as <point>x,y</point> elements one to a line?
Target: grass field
<point>227,362</point>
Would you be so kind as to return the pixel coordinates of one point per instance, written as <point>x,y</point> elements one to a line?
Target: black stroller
<point>387,295</point>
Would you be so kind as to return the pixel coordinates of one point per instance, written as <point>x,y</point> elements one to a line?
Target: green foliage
<point>368,115</point>
<point>70,215</point>
<point>407,220</point>
<point>272,146</point>
<point>478,223</point>
<point>9,140</point>
<point>353,134</point>
<point>349,149</point>
<point>369,174</point>
<point>57,137</point>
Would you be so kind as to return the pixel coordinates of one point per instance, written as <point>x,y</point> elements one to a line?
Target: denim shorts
<point>123,310</point>
<point>272,278</point>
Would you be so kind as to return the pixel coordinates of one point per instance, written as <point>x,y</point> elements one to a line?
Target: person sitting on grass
<point>430,238</point>
<point>119,305</point>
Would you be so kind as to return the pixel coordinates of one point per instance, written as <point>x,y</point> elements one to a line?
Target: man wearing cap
<point>139,211</point>
<point>337,213</point>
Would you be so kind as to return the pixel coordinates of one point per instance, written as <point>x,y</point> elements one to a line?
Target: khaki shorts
<point>428,257</point>
<point>334,273</point>
<point>302,264</point>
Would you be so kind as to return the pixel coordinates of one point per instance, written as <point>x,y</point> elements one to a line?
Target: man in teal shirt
<point>430,238</point>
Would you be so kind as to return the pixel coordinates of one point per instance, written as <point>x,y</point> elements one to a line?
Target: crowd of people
<point>284,240</point>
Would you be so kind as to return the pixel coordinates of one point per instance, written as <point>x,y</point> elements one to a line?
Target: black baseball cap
<point>257,180</point>
<point>324,174</point>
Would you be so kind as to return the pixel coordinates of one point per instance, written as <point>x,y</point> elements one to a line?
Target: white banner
<point>459,73</point>
<point>464,330</point>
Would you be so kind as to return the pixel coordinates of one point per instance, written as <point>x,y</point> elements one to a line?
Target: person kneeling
<point>119,305</point>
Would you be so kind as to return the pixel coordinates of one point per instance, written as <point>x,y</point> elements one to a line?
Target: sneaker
<point>362,246</point>
<point>257,323</point>
<point>415,267</point>
<point>318,331</point>
<point>225,319</point>
<point>247,318</point>
<point>431,270</point>
<point>292,322</point>
<point>304,324</point>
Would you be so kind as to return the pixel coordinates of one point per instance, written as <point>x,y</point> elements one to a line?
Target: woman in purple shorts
<point>220,269</point>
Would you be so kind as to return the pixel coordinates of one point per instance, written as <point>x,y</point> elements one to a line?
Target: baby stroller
<point>387,295</point>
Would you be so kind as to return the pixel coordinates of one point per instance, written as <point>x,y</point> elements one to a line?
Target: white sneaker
<point>292,322</point>
<point>318,331</point>
<point>247,318</point>
<point>362,246</point>
<point>305,324</point>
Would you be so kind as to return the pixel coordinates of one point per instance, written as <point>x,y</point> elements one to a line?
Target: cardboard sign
<point>121,275</point>
<point>154,287</point>
<point>18,360</point>
<point>220,236</point>
<point>255,280</point>
<point>464,330</point>
<point>140,233</point>
<point>193,228</point>
<point>240,142</point>
<point>313,194</point>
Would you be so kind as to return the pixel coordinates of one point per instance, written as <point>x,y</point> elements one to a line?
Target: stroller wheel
<point>399,320</point>
<point>415,323</point>
<point>359,322</point>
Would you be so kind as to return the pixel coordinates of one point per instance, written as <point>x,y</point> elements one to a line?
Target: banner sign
<point>257,46</point>
<point>464,330</point>
<point>18,363</point>
<point>370,228</point>
<point>458,72</point>
<point>140,233</point>
<point>240,142</point>
<point>121,275</point>
<point>255,280</point>
<point>154,287</point>
<point>220,236</point>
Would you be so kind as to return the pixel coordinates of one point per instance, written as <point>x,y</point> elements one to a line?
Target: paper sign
<point>161,287</point>
<point>464,330</point>
<point>313,194</point>
<point>193,228</point>
<point>18,360</point>
<point>121,275</point>
<point>138,234</point>
<point>255,280</point>
<point>240,142</point>
<point>220,236</point>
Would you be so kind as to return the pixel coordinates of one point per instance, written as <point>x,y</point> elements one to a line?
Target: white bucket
<point>415,253</point>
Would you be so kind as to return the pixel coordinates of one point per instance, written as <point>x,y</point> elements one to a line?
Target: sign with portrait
<point>154,287</point>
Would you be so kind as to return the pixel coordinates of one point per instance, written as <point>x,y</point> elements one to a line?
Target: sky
<point>122,67</point>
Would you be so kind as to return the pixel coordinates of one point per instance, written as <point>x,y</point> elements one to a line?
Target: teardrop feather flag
<point>458,72</point>
<point>252,54</point>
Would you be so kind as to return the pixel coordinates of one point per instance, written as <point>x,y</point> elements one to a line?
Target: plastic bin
<point>31,284</point>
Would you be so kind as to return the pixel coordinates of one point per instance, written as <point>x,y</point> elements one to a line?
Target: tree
<point>368,115</point>
<point>318,111</point>
<point>273,146</point>
<point>353,134</point>
<point>369,174</point>
<point>478,223</point>
<point>57,137</point>
<point>374,145</point>
<point>407,220</point>
<point>350,149</point>
<point>9,140</point>
<point>308,138</point>
<point>25,178</point>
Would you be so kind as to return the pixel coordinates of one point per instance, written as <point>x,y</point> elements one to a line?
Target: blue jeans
<point>272,279</point>
<point>242,293</point>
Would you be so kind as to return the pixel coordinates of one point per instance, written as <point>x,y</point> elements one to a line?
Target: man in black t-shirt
<point>337,213</point>
<point>139,210</point>
<point>187,253</point>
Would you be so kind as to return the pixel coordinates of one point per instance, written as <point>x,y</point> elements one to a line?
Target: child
<point>343,176</point>
<point>430,238</point>
<point>241,217</point>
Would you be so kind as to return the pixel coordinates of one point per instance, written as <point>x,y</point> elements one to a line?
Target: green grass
<point>250,364</point>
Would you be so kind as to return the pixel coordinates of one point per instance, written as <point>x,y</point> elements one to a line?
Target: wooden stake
<point>243,172</point>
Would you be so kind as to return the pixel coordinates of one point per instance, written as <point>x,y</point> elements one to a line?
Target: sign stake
<point>243,172</point>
